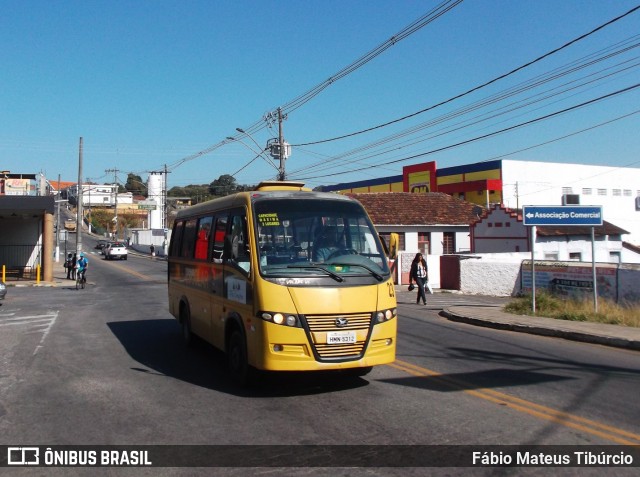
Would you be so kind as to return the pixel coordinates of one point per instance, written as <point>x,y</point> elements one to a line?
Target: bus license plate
<point>341,337</point>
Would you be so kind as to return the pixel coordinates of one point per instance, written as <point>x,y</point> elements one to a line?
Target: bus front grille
<point>320,325</point>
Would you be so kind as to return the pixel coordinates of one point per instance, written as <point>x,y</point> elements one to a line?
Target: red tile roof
<point>606,228</point>
<point>407,208</point>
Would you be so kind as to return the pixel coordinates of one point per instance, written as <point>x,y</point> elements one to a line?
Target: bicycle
<point>80,279</point>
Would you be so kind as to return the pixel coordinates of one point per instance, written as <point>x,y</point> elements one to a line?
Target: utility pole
<point>164,199</point>
<point>79,205</point>
<point>115,182</point>
<point>58,223</point>
<point>281,152</point>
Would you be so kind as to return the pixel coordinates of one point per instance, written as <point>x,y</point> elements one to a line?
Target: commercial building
<point>517,183</point>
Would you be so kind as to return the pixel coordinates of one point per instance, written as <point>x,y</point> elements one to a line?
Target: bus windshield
<point>313,237</point>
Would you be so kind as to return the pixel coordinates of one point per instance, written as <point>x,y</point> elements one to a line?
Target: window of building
<point>602,191</point>
<point>627,193</point>
<point>567,190</point>
<point>575,256</point>
<point>617,193</point>
<point>615,257</point>
<point>587,191</point>
<point>551,256</point>
<point>424,242</point>
<point>449,242</point>
<point>498,224</point>
<point>507,224</point>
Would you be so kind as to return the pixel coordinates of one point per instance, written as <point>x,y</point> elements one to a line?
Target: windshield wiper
<point>370,270</point>
<point>335,276</point>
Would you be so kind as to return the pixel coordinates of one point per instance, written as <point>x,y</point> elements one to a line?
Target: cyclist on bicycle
<point>82,264</point>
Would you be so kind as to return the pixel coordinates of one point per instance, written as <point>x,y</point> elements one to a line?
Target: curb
<point>573,335</point>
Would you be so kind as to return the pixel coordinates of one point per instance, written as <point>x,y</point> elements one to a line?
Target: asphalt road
<point>106,366</point>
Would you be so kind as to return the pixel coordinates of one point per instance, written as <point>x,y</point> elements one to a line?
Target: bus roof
<point>264,190</point>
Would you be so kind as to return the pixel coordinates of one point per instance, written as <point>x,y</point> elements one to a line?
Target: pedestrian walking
<point>153,250</point>
<point>68,264</point>
<point>74,260</point>
<point>419,273</point>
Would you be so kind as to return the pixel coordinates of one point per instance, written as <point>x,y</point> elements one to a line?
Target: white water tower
<point>156,188</point>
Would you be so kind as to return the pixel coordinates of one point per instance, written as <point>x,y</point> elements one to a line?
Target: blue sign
<point>562,215</point>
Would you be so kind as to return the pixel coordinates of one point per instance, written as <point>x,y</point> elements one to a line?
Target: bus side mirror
<point>384,245</point>
<point>394,242</point>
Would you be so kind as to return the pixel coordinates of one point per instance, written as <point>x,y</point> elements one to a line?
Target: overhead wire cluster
<point>582,77</point>
<point>520,104</point>
<point>435,13</point>
<point>515,107</point>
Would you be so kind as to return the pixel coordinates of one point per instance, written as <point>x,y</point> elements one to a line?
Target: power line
<point>572,85</point>
<point>488,135</point>
<point>476,88</point>
<point>297,102</point>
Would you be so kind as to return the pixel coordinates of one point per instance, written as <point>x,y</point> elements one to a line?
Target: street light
<point>259,152</point>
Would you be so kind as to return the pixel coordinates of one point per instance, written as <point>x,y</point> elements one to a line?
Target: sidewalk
<point>492,316</point>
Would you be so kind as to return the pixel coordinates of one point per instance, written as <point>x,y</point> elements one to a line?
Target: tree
<point>176,192</point>
<point>223,185</point>
<point>135,185</point>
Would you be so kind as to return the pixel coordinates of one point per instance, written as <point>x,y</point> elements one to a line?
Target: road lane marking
<point>35,323</point>
<point>46,332</point>
<point>136,274</point>
<point>619,436</point>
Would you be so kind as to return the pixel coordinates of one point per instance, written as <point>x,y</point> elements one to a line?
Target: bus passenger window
<point>218,239</point>
<point>189,239</point>
<point>202,239</point>
<point>176,239</point>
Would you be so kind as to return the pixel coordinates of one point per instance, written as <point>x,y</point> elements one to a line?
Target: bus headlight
<point>285,319</point>
<point>386,315</point>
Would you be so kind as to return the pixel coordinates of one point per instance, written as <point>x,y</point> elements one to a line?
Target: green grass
<point>551,306</point>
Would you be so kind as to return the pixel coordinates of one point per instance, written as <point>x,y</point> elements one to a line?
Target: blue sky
<point>154,83</point>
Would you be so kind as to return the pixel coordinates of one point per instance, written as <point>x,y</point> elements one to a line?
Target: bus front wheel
<point>237,361</point>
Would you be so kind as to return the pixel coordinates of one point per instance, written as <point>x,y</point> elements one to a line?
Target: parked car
<point>115,250</point>
<point>3,290</point>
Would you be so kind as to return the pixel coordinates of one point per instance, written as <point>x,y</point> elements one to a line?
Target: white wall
<point>486,276</point>
<point>499,275</point>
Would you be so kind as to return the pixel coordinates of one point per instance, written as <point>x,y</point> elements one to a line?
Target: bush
<point>551,306</point>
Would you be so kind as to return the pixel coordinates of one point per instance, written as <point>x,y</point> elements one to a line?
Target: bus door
<point>237,269</point>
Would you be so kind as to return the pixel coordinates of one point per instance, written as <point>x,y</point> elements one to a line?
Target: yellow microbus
<point>283,279</point>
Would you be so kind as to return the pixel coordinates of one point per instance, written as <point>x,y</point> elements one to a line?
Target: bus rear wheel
<point>185,325</point>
